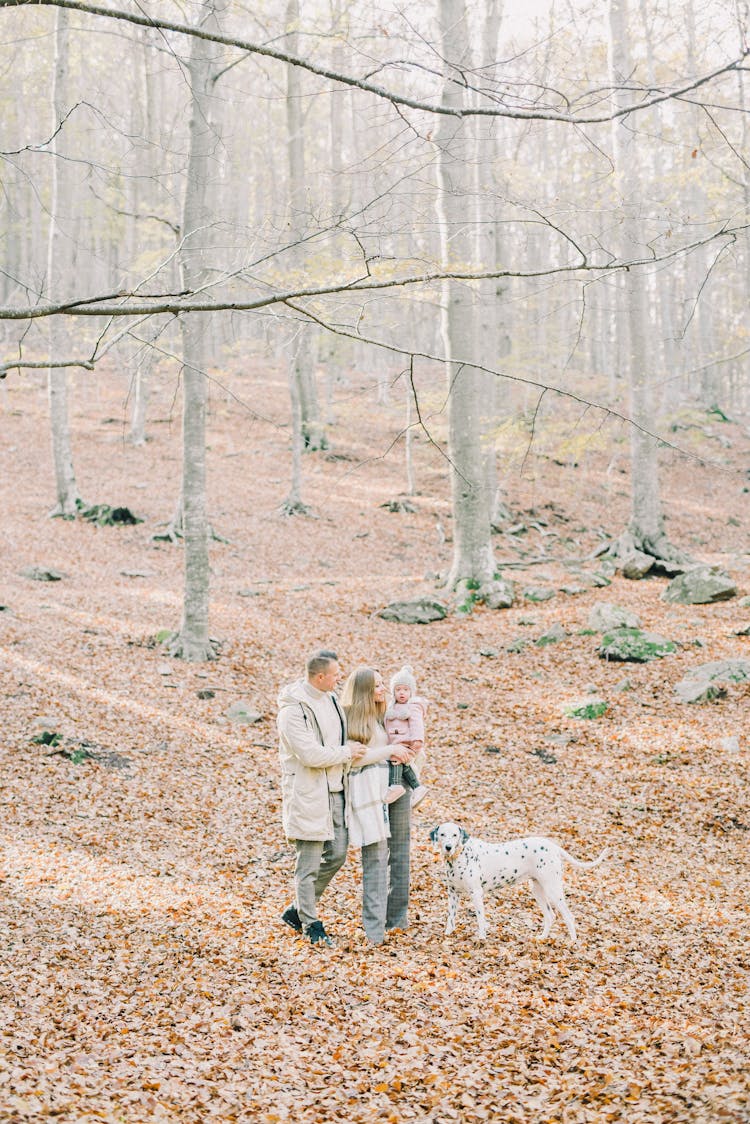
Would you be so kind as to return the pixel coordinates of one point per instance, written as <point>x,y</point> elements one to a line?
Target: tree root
<point>296,507</point>
<point>183,647</point>
<point>636,555</point>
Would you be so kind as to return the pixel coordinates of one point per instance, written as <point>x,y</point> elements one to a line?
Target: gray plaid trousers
<point>385,875</point>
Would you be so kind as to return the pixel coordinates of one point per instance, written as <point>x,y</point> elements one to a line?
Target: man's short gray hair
<point>319,661</point>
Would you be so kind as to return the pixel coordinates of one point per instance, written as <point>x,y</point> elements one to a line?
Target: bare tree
<point>646,533</point>
<point>59,246</point>
<point>473,565</point>
<point>192,642</point>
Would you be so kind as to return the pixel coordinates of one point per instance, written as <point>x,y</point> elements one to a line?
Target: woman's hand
<point>357,750</point>
<point>400,754</point>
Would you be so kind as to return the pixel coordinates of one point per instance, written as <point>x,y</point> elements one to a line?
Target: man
<point>313,752</point>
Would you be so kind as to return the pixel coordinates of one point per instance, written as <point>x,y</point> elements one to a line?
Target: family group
<point>350,777</point>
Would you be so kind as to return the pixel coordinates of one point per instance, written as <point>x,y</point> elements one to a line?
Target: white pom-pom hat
<point>404,678</point>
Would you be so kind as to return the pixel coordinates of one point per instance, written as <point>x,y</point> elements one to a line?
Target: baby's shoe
<point>393,792</point>
<point>418,795</point>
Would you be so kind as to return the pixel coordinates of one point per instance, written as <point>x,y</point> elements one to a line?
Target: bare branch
<point>43,364</point>
<point>183,302</point>
<point>581,118</point>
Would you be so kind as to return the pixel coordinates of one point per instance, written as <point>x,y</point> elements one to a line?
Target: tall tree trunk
<point>58,275</point>
<point>646,531</point>
<point>491,324</point>
<point>301,358</point>
<point>193,642</point>
<point>473,562</point>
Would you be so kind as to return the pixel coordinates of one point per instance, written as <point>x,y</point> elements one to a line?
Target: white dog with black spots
<point>473,867</point>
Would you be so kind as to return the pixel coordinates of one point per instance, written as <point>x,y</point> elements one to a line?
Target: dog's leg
<point>558,901</point>
<point>452,911</point>
<point>477,900</point>
<point>547,910</point>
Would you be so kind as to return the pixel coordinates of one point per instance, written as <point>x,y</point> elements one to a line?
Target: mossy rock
<point>538,593</point>
<point>632,645</point>
<point>589,708</point>
<point>553,635</point>
<point>422,611</point>
<point>702,585</point>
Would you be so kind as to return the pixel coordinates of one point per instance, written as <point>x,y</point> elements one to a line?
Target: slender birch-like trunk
<point>646,531</point>
<point>301,359</point>
<point>193,642</point>
<point>58,274</point>
<point>473,563</point>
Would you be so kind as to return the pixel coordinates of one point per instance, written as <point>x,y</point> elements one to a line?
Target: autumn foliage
<point>145,975</point>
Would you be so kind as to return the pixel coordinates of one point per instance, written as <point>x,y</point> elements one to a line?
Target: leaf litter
<point>146,976</point>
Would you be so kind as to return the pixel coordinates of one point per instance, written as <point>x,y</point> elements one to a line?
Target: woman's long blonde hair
<point>363,713</point>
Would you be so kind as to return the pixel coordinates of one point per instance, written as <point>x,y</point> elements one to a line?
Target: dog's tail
<point>577,862</point>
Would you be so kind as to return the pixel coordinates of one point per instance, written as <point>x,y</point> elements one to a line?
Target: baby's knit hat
<point>404,678</point>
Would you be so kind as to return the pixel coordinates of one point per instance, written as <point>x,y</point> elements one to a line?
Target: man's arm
<point>297,730</point>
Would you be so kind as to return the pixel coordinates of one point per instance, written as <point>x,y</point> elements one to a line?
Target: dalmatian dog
<point>474,866</point>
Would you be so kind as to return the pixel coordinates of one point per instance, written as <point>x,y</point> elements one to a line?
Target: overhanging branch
<point>137,304</point>
<point>396,99</point>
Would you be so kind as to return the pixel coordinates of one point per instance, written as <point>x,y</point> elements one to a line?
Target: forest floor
<point>145,975</point>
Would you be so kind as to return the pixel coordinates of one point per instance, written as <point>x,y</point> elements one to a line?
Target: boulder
<point>422,611</point>
<point>636,565</point>
<point>631,645</point>
<point>42,574</point>
<point>552,636</point>
<point>538,593</point>
<point>700,586</point>
<point>500,594</point>
<point>605,616</point>
<point>241,714</point>
<point>710,679</point>
<point>587,708</point>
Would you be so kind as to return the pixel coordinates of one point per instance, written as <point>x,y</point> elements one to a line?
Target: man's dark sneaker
<point>317,934</point>
<point>290,917</point>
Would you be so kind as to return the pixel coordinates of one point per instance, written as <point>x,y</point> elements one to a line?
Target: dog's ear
<point>464,835</point>
<point>433,834</point>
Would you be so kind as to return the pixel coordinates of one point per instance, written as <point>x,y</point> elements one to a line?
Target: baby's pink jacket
<point>404,722</point>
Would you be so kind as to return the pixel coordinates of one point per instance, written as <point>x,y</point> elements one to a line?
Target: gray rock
<point>700,586</point>
<point>572,590</point>
<point>742,631</point>
<point>242,714</point>
<point>489,653</point>
<point>623,685</point>
<point>631,645</point>
<point>516,645</point>
<point>499,595</point>
<point>710,679</point>
<point>636,565</point>
<point>422,611</point>
<point>45,722</point>
<point>552,636</point>
<point>538,593</point>
<point>744,602</point>
<point>589,708</point>
<point>42,574</point>
<point>606,616</point>
<point>730,745</point>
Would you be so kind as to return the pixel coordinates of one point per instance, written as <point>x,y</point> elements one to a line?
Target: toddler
<point>404,724</point>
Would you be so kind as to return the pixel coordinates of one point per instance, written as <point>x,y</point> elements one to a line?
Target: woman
<point>382,830</point>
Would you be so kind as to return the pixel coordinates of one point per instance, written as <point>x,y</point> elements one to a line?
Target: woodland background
<point>538,300</point>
